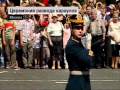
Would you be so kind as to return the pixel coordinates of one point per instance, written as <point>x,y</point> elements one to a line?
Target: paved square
<point>40,79</point>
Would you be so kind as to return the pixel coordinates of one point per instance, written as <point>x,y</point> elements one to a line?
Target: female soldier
<point>78,59</point>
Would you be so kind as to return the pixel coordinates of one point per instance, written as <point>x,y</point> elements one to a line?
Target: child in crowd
<point>36,48</point>
<point>45,41</point>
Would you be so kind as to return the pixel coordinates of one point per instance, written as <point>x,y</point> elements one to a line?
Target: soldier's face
<point>78,33</point>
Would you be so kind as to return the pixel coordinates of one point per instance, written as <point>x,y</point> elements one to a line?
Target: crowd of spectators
<point>38,41</point>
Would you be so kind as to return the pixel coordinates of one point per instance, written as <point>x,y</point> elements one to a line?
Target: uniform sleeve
<point>82,56</point>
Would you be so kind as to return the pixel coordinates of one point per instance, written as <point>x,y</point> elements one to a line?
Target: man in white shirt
<point>26,37</point>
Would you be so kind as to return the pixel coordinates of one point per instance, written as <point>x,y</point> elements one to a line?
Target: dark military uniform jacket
<point>77,56</point>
